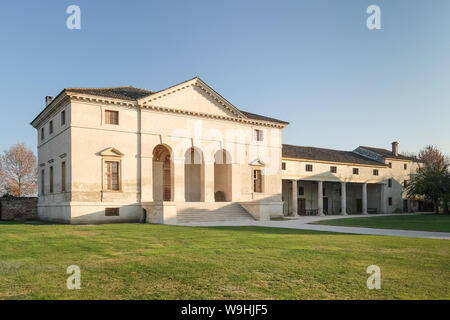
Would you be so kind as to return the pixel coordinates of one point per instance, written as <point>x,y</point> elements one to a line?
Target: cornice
<point>213,116</point>
<point>102,100</point>
<point>134,104</point>
<point>60,100</point>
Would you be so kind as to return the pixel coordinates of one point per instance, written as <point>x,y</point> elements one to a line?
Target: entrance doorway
<point>405,205</point>
<point>359,205</point>
<point>325,205</point>
<point>301,205</point>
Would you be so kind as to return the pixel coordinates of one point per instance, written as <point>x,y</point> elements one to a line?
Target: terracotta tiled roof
<point>260,117</point>
<point>320,154</point>
<point>387,153</point>
<point>125,93</point>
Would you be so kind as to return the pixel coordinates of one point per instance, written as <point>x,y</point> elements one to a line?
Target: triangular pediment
<point>192,96</point>
<point>111,152</point>
<point>257,162</point>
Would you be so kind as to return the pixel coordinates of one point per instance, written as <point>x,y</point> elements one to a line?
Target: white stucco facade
<point>187,119</point>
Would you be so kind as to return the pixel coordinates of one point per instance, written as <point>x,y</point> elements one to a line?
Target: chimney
<point>48,100</point>
<point>395,148</point>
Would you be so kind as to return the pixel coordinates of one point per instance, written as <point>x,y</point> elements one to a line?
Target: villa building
<point>185,153</point>
<point>365,180</point>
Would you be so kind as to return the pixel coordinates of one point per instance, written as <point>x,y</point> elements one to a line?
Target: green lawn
<point>142,261</point>
<point>426,222</point>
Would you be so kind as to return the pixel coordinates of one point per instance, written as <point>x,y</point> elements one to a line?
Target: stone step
<point>211,212</point>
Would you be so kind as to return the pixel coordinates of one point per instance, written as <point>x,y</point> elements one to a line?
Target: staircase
<point>211,212</point>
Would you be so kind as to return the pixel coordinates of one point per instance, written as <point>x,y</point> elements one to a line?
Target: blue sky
<point>312,63</point>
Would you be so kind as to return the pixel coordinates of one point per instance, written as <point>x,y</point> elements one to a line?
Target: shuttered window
<point>257,181</point>
<point>112,175</point>
<point>111,117</point>
<point>51,179</point>
<point>63,176</point>
<point>259,135</point>
<point>42,181</point>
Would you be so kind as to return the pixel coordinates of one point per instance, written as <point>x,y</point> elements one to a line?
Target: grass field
<point>426,222</point>
<point>142,261</point>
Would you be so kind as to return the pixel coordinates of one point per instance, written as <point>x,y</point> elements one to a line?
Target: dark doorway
<point>359,205</point>
<point>325,205</point>
<point>405,205</point>
<point>301,205</point>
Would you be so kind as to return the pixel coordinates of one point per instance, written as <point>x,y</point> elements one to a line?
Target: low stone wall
<point>18,208</point>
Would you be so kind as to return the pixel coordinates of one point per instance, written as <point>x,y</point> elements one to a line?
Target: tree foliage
<point>432,180</point>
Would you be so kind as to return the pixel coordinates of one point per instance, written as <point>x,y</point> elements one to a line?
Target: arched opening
<point>222,176</point>
<point>162,174</point>
<point>193,175</point>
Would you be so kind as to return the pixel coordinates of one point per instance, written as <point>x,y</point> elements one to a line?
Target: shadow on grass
<point>274,230</point>
<point>28,222</point>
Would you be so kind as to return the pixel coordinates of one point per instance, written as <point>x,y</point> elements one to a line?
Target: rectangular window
<point>309,167</point>
<point>63,117</point>
<point>112,175</point>
<point>301,191</point>
<point>42,181</point>
<point>390,164</point>
<point>42,133</point>
<point>283,166</point>
<point>111,117</point>
<point>390,201</point>
<point>390,183</point>
<point>405,183</point>
<point>333,169</point>
<point>323,192</point>
<point>405,166</point>
<point>112,212</point>
<point>50,127</point>
<point>375,172</point>
<point>51,179</point>
<point>259,135</point>
<point>63,176</point>
<point>355,171</point>
<point>257,181</point>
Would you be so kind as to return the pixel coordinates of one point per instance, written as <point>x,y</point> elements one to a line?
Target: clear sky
<point>313,63</point>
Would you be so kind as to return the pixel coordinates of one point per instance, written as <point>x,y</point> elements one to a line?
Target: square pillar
<point>383,199</point>
<point>343,198</point>
<point>147,179</point>
<point>364,198</point>
<point>178,180</point>
<point>294,198</point>
<point>208,181</point>
<point>320,198</point>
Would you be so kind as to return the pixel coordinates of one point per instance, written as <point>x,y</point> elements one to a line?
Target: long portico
<point>322,197</point>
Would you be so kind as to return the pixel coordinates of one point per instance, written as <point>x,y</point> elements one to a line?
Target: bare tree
<point>19,171</point>
<point>432,157</point>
